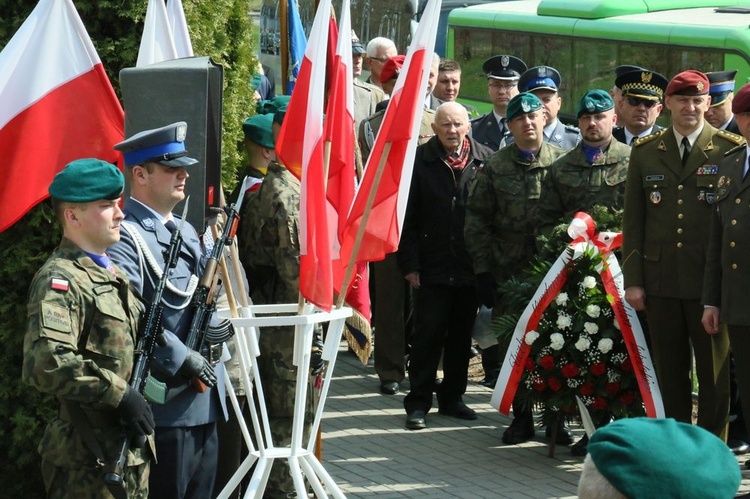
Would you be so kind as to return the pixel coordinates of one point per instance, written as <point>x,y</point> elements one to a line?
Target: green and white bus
<point>587,39</point>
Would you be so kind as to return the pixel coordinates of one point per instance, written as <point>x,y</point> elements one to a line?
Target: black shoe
<point>415,420</point>
<point>738,447</point>
<point>473,352</point>
<point>747,464</point>
<point>521,430</point>
<point>564,436</point>
<point>389,387</point>
<point>490,380</point>
<point>580,448</point>
<point>460,411</point>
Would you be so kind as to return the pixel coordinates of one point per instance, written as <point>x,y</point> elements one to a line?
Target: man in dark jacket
<point>434,260</point>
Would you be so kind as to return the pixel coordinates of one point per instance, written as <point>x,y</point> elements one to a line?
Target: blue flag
<point>297,45</point>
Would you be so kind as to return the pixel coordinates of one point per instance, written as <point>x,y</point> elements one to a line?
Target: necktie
<point>632,140</point>
<point>685,150</point>
<point>171,226</point>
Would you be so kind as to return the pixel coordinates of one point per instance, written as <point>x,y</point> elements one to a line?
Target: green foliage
<point>221,29</point>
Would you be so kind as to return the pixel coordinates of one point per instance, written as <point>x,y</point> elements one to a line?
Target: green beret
<point>86,180</point>
<point>258,129</point>
<point>595,101</point>
<point>522,103</point>
<point>273,105</point>
<point>657,458</point>
<point>278,116</point>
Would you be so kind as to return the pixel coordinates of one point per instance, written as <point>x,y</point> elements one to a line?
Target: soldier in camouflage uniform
<point>499,232</point>
<point>592,173</point>
<point>276,254</point>
<point>81,331</point>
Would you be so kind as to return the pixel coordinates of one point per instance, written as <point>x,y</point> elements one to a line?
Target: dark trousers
<point>675,325</point>
<point>390,318</point>
<point>739,337</point>
<point>444,316</point>
<point>187,458</point>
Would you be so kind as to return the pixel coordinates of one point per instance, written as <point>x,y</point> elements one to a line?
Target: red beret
<point>391,68</point>
<point>741,102</point>
<point>690,82</point>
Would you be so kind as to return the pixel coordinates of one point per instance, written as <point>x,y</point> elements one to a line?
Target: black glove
<point>317,364</point>
<point>135,414</point>
<point>196,366</point>
<point>486,287</point>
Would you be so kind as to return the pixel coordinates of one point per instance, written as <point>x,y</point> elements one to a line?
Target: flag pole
<point>363,225</point>
<point>284,42</point>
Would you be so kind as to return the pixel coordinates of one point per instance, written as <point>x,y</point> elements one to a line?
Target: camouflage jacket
<point>82,324</point>
<point>573,184</point>
<point>277,248</point>
<point>498,229</point>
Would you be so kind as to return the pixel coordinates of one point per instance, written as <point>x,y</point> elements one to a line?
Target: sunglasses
<point>635,102</point>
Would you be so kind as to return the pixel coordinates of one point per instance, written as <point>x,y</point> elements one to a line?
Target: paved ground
<point>369,453</point>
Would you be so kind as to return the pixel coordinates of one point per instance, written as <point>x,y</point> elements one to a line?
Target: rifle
<point>153,390</point>
<point>202,336</point>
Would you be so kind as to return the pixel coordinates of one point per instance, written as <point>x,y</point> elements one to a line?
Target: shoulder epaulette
<point>648,138</point>
<point>735,149</point>
<point>428,111</point>
<point>731,137</point>
<point>478,118</point>
<point>572,128</point>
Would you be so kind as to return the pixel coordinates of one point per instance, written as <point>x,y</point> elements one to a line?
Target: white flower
<point>605,345</point>
<point>583,343</point>
<point>589,282</point>
<point>593,311</point>
<point>531,337</point>
<point>556,341</point>
<point>616,324</point>
<point>562,299</point>
<point>563,321</point>
<point>590,327</point>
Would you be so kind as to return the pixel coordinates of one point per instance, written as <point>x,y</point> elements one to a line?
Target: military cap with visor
<point>594,102</point>
<point>643,84</point>
<point>357,47</point>
<point>721,84</point>
<point>165,146</point>
<point>87,180</point>
<point>539,78</point>
<point>625,68</point>
<point>523,103</point>
<point>258,129</point>
<point>504,67</point>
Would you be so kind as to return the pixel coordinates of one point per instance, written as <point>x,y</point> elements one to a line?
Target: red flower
<point>529,364</point>
<point>627,366</point>
<point>547,362</point>
<point>599,403</point>
<point>554,384</point>
<point>613,388</point>
<point>587,388</point>
<point>598,369</point>
<point>570,370</point>
<point>539,385</point>
<point>627,398</point>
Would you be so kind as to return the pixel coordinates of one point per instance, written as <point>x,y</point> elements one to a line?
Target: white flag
<point>157,43</point>
<point>181,35</point>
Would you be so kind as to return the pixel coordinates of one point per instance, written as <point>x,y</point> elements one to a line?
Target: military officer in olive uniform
<point>157,165</point>
<point>81,332</point>
<point>365,96</point>
<point>726,283</point>
<point>503,72</point>
<point>672,183</point>
<point>719,114</point>
<point>642,92</point>
<point>498,230</point>
<point>593,173</point>
<point>544,82</point>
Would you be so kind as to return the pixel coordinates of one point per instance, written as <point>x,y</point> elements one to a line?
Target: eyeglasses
<point>635,102</point>
<point>502,86</point>
<point>379,59</point>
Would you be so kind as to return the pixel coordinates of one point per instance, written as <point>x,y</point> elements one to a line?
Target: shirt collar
<point>691,138</point>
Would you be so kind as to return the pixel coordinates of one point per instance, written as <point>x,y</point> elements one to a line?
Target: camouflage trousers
<point>279,376</point>
<point>82,483</point>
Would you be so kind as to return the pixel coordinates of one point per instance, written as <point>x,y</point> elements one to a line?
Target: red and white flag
<point>58,105</point>
<point>385,186</point>
<point>300,148</point>
<point>157,43</point>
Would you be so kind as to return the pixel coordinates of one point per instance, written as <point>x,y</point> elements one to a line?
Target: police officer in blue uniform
<point>544,82</point>
<point>186,439</point>
<point>503,73</point>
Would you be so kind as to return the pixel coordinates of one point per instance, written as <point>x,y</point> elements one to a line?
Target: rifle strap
<point>85,429</point>
<point>155,272</point>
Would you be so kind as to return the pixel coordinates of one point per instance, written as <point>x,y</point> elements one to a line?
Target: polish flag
<point>58,106</point>
<point>180,33</point>
<point>157,43</point>
<point>300,148</point>
<point>373,228</point>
